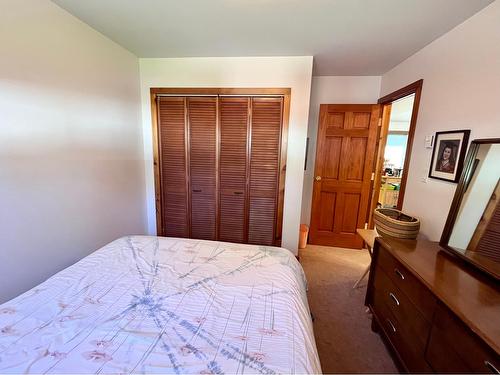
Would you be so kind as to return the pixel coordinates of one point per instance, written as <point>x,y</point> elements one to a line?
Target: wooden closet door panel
<point>233,168</point>
<point>173,172</point>
<point>264,169</point>
<point>202,120</point>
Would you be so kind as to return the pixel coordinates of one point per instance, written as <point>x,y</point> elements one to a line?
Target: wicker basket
<point>394,223</point>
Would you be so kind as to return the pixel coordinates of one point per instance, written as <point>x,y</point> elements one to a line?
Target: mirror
<point>395,150</point>
<point>472,230</point>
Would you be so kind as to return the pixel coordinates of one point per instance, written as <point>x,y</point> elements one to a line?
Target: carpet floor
<point>345,341</point>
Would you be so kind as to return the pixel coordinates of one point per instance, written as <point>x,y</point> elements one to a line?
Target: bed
<point>146,304</point>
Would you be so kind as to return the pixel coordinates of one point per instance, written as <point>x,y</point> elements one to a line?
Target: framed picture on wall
<point>448,155</point>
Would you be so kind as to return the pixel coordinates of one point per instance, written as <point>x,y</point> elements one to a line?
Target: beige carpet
<point>344,338</point>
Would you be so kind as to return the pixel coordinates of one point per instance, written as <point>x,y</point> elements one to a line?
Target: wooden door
<point>382,133</point>
<point>344,159</point>
<point>266,120</point>
<point>202,141</point>
<point>172,155</point>
<point>233,169</point>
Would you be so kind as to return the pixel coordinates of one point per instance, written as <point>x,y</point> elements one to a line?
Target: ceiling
<point>346,37</point>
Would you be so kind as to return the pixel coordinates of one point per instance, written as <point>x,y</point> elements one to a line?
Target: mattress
<point>164,305</point>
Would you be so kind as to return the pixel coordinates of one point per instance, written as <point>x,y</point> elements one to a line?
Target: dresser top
<point>473,297</point>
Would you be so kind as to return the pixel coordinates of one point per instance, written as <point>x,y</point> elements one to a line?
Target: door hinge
<point>373,176</point>
<point>366,225</point>
<point>380,121</point>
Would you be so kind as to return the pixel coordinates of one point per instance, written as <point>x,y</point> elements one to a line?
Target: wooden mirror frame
<point>478,261</point>
<point>386,101</point>
<point>416,89</point>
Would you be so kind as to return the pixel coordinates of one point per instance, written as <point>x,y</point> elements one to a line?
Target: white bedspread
<point>164,305</point>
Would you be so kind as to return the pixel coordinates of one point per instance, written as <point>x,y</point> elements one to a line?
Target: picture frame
<point>448,154</point>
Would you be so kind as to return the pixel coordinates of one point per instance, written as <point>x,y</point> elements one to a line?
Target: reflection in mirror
<point>395,151</point>
<point>477,225</point>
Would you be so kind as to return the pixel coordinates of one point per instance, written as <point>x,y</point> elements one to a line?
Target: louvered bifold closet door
<point>233,169</point>
<point>202,123</point>
<point>173,171</point>
<point>266,119</point>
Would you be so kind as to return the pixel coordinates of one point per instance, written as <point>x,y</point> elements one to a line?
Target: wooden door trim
<point>282,168</point>
<point>371,151</point>
<point>156,163</point>
<point>155,92</point>
<point>412,88</point>
<point>323,111</point>
<point>382,133</point>
<point>244,91</point>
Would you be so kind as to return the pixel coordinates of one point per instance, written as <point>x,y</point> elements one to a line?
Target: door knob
<point>318,178</point>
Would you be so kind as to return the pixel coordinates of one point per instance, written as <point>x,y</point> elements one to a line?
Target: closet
<point>219,166</point>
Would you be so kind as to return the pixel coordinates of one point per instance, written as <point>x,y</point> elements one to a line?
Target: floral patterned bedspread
<point>164,305</point>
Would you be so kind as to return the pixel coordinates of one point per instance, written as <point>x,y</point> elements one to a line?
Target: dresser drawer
<point>403,310</point>
<point>418,294</point>
<point>454,348</point>
<point>408,348</point>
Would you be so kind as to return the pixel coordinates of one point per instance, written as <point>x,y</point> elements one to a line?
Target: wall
<point>461,90</point>
<point>332,90</point>
<point>293,72</point>
<point>71,165</point>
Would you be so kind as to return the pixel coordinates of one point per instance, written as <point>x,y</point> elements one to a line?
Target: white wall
<point>292,72</point>
<point>332,90</point>
<point>71,164</point>
<point>461,72</point>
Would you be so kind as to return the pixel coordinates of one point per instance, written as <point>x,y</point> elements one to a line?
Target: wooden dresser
<point>435,314</point>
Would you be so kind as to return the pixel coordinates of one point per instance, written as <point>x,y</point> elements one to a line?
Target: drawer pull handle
<point>196,190</point>
<point>394,298</point>
<point>238,192</point>
<point>399,273</point>
<point>391,325</point>
<point>491,367</point>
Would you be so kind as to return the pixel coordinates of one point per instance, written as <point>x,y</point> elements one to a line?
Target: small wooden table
<point>368,236</point>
